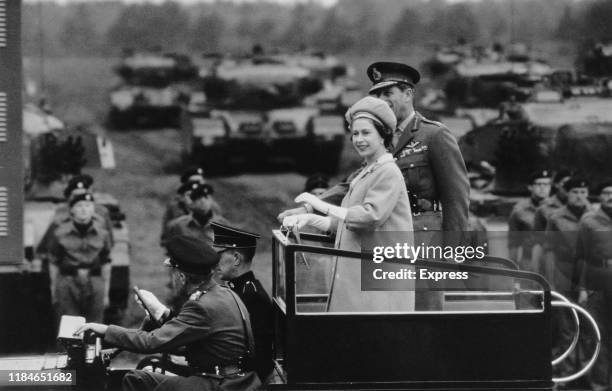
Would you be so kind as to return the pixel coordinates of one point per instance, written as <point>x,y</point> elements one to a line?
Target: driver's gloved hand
<point>152,303</point>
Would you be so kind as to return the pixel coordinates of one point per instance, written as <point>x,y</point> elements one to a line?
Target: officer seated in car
<point>213,326</point>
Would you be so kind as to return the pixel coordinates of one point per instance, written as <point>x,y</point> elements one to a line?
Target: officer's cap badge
<point>376,75</point>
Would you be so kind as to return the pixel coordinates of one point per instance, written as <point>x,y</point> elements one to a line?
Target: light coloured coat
<point>377,200</point>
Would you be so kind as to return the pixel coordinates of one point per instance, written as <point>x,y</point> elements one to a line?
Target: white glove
<point>152,303</point>
<point>307,219</point>
<point>322,206</point>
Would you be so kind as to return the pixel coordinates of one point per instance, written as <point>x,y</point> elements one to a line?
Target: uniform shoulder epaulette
<point>249,287</point>
<point>197,294</point>
<point>431,122</point>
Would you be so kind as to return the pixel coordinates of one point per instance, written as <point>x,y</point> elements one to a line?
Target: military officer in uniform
<point>521,220</point>
<point>540,220</point>
<point>237,249</point>
<point>556,201</point>
<point>179,204</point>
<point>560,264</point>
<point>79,265</point>
<point>594,250</point>
<point>430,160</point>
<point>213,327</point>
<point>201,214</point>
<point>78,184</point>
<point>196,224</point>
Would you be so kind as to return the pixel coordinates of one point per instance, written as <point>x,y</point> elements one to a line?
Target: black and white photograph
<point>228,195</point>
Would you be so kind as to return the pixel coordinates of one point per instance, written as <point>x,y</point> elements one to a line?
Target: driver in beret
<point>213,328</point>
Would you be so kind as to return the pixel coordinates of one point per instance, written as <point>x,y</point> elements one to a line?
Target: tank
<point>45,138</point>
<point>597,61</point>
<point>256,110</point>
<point>573,133</point>
<point>152,89</point>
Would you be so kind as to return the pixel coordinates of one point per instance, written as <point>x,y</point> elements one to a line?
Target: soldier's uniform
<point>178,207</point>
<point>543,212</point>
<point>77,185</point>
<point>259,305</point>
<point>520,224</point>
<point>561,238</point>
<point>213,326</point>
<point>79,254</point>
<point>595,249</point>
<point>252,294</point>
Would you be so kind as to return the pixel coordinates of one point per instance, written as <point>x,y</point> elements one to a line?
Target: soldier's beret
<point>81,181</point>
<point>539,175</point>
<point>87,196</point>
<point>386,74</point>
<point>575,182</point>
<point>226,237</point>
<point>316,182</point>
<point>603,185</point>
<point>375,109</point>
<point>191,255</point>
<point>199,190</point>
<point>193,174</point>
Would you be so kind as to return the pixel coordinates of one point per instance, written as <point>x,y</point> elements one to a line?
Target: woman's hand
<point>99,329</point>
<point>322,206</point>
<point>307,219</point>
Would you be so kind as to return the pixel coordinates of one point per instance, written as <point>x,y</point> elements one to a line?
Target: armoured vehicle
<point>253,110</point>
<point>573,133</point>
<point>597,61</point>
<point>153,87</point>
<point>476,81</point>
<point>54,154</point>
<point>340,89</point>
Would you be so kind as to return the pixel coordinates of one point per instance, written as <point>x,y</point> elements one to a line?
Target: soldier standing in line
<point>213,326</point>
<point>594,251</point>
<point>196,224</point>
<point>79,184</point>
<point>79,265</point>
<point>428,155</point>
<point>237,249</point>
<point>543,212</point>
<point>179,204</point>
<point>559,260</point>
<point>201,214</point>
<point>521,221</point>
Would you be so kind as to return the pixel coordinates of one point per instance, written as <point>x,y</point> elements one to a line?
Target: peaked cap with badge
<point>81,182</point>
<point>385,74</point>
<point>191,255</point>
<point>87,196</point>
<point>540,174</point>
<point>199,190</point>
<point>226,237</point>
<point>193,174</point>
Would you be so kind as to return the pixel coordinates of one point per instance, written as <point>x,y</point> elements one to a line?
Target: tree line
<point>349,26</point>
